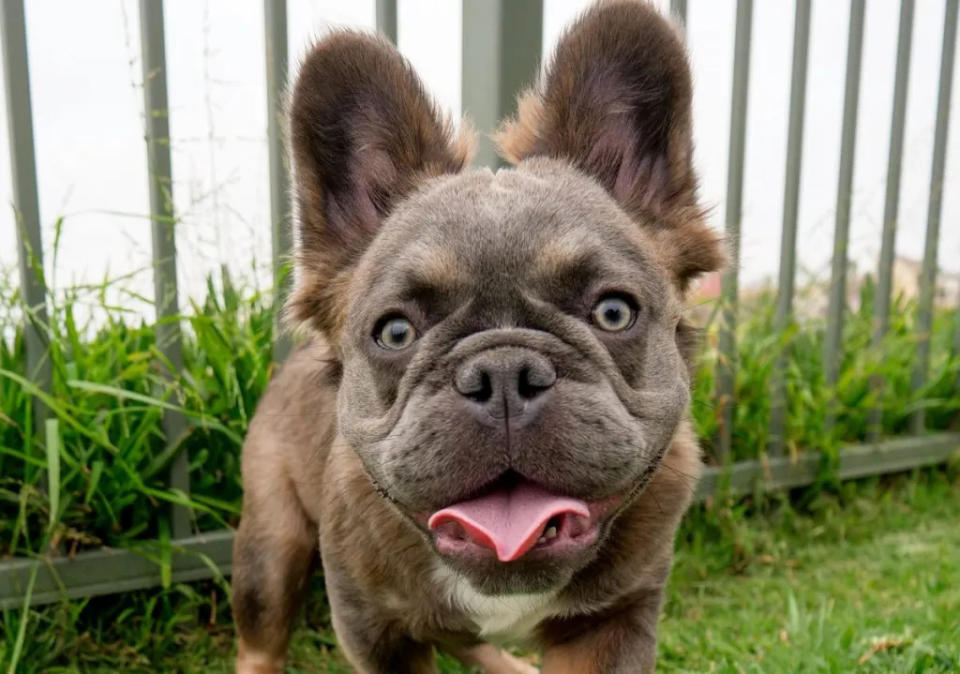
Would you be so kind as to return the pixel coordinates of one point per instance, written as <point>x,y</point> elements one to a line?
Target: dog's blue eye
<point>613,314</point>
<point>396,333</point>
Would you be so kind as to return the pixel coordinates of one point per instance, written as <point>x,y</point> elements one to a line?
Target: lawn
<point>863,578</point>
<point>870,582</point>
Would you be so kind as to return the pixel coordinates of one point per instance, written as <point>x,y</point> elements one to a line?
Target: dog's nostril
<point>476,385</point>
<point>484,391</point>
<point>532,380</point>
<point>526,387</point>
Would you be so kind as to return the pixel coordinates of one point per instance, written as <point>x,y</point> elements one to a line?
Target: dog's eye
<point>613,314</point>
<point>395,333</point>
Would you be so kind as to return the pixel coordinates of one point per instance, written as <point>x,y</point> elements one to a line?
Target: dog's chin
<point>533,574</point>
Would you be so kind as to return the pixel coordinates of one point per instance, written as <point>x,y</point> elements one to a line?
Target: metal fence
<point>501,51</point>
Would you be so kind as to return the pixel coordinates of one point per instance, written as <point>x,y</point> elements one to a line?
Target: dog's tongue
<point>509,521</point>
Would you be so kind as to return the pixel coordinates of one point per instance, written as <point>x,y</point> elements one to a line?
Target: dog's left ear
<point>616,102</point>
<point>364,134</point>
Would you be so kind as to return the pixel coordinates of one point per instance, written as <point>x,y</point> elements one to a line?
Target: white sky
<point>85,69</point>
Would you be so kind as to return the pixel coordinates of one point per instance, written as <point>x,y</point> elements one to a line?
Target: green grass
<point>809,397</point>
<point>872,565</point>
<point>757,587</point>
<point>109,389</point>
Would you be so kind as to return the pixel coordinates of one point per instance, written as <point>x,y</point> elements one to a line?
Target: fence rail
<point>501,50</point>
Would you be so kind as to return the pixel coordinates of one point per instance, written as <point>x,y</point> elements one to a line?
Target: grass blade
<point>53,471</point>
<point>140,397</point>
<point>24,619</point>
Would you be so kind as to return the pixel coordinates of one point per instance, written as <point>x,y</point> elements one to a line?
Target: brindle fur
<point>349,442</point>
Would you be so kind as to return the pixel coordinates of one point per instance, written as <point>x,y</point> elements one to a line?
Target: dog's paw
<point>517,666</point>
<point>257,663</point>
<point>493,660</point>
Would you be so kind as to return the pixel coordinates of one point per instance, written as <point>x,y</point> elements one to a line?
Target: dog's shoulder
<point>294,425</point>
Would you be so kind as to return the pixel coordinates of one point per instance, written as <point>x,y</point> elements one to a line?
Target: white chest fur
<point>504,618</point>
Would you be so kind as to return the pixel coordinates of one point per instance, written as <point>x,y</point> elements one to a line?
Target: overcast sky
<point>85,69</point>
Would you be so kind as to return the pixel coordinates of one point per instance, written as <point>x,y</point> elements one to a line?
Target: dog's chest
<point>506,618</point>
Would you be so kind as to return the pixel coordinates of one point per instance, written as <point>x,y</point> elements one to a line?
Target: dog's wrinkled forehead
<point>495,234</point>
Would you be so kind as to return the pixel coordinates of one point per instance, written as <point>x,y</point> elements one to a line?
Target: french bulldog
<point>487,429</point>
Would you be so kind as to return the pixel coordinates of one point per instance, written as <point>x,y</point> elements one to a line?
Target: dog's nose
<point>506,384</point>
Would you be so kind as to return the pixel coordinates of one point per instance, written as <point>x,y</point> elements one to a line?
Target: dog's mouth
<point>515,519</point>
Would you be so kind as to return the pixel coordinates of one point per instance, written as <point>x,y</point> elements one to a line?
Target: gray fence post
<point>841,233</point>
<point>163,232</point>
<point>678,8</point>
<point>727,337</point>
<point>16,81</point>
<point>928,273</point>
<point>788,235</point>
<point>275,42</point>
<point>891,205</point>
<point>387,19</point>
<point>502,42</point>
<point>956,348</point>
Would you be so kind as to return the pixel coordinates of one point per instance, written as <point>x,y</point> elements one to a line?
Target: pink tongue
<point>509,521</point>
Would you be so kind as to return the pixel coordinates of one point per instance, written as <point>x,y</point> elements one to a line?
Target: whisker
<point>689,476</point>
<point>689,481</point>
<point>657,501</point>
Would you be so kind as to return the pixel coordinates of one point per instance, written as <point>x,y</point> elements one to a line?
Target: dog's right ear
<point>363,134</point>
<point>615,102</point>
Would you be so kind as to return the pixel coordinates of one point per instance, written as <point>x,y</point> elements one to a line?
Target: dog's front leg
<point>623,642</point>
<point>273,554</point>
<point>372,642</point>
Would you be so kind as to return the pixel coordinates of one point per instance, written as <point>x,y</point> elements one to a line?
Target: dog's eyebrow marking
<point>563,256</point>
<point>433,267</point>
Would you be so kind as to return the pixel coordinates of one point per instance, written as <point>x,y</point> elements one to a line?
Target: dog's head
<point>511,343</point>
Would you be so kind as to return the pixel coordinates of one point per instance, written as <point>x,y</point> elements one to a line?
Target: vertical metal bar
<point>163,231</point>
<point>841,233</point>
<point>788,236</point>
<point>387,19</point>
<point>275,41</point>
<point>956,351</point>
<point>891,205</point>
<point>727,339</point>
<point>521,44</point>
<point>678,8</point>
<point>501,51</point>
<point>928,273</point>
<point>16,81</point>
<point>480,65</point>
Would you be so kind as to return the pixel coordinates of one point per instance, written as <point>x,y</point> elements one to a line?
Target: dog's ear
<point>616,102</point>
<point>363,134</point>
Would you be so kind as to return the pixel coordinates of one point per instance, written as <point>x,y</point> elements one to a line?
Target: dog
<point>487,430</point>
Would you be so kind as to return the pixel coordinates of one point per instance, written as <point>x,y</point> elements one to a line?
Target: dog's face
<point>511,343</point>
